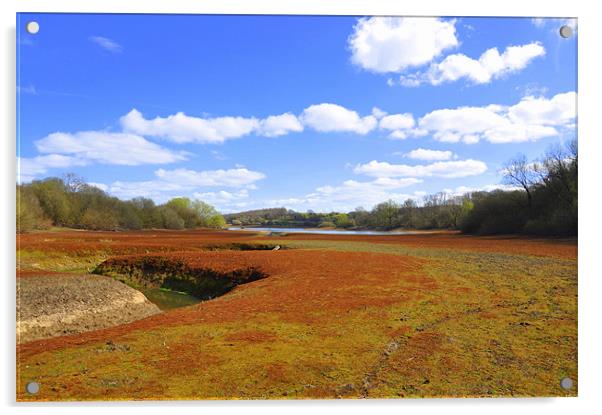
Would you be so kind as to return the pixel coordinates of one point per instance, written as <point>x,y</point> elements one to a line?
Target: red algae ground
<point>432,315</point>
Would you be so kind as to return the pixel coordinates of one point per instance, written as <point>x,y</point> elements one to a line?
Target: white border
<point>590,114</point>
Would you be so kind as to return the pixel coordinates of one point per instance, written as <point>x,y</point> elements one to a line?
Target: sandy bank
<point>57,305</point>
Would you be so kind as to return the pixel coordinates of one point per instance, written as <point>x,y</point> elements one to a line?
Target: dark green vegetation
<point>151,271</point>
<point>545,202</point>
<point>70,202</point>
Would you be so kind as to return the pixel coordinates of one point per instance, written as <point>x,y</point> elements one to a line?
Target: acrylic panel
<point>295,207</point>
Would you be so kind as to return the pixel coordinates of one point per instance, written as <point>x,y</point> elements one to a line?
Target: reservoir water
<point>320,231</point>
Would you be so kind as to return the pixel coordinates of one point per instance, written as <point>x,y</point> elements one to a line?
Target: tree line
<point>70,202</point>
<point>544,202</point>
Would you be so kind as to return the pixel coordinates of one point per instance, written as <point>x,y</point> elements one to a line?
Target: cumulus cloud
<point>192,178</point>
<point>392,44</point>
<point>335,118</point>
<point>107,44</point>
<point>277,125</point>
<point>557,111</point>
<point>345,196</point>
<point>531,119</point>
<point>222,198</point>
<point>429,155</point>
<point>399,125</point>
<point>352,193</point>
<point>555,23</point>
<point>107,148</point>
<point>100,186</point>
<point>462,190</point>
<point>182,128</point>
<point>29,168</point>
<point>490,65</point>
<point>157,190</point>
<point>445,169</point>
<point>181,182</point>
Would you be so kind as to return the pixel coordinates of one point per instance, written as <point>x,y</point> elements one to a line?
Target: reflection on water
<point>319,231</point>
<point>168,300</point>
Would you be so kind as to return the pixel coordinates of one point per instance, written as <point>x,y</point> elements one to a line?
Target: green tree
<point>95,219</point>
<point>52,196</point>
<point>183,207</point>
<point>30,215</point>
<point>217,222</point>
<point>170,218</point>
<point>208,216</point>
<point>386,213</point>
<point>342,220</point>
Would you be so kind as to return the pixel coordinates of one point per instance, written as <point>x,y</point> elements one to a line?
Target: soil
<point>59,304</point>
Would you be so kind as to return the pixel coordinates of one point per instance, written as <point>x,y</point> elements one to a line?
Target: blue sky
<point>308,112</point>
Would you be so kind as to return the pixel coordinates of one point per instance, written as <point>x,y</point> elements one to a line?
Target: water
<point>168,300</point>
<point>320,231</point>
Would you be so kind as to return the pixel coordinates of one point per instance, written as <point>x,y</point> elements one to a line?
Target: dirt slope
<point>55,305</point>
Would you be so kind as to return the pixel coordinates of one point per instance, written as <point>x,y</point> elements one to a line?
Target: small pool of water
<point>319,231</point>
<point>168,300</point>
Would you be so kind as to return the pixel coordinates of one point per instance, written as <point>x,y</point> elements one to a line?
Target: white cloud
<point>184,182</point>
<point>222,198</point>
<point>556,23</point>
<point>397,122</point>
<point>445,169</point>
<point>107,44</point>
<point>429,155</point>
<point>392,44</point>
<point>100,186</point>
<point>559,110</point>
<point>399,125</point>
<point>346,196</point>
<point>231,178</point>
<point>490,65</point>
<point>182,128</point>
<point>538,21</point>
<point>107,148</point>
<point>30,168</point>
<point>461,190</point>
<point>529,120</point>
<point>335,118</point>
<point>157,190</point>
<point>352,193</point>
<point>378,113</point>
<point>277,125</point>
<point>466,124</point>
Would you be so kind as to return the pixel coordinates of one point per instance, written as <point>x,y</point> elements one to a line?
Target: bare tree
<point>73,182</point>
<point>519,172</point>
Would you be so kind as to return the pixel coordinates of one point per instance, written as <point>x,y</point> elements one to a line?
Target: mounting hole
<point>32,27</point>
<point>32,387</point>
<point>566,31</point>
<point>566,383</point>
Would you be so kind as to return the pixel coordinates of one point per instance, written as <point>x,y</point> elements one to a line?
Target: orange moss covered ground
<point>554,247</point>
<point>336,316</point>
